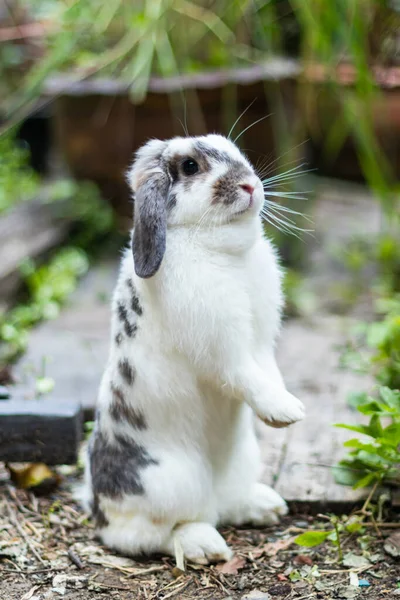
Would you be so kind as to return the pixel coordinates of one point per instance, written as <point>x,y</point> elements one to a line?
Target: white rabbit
<point>195,316</point>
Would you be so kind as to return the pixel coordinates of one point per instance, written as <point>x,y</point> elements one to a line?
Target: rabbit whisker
<point>286,209</point>
<point>251,125</point>
<point>195,229</point>
<point>287,223</point>
<point>288,195</point>
<point>239,117</point>
<point>269,218</point>
<point>293,172</point>
<point>268,165</point>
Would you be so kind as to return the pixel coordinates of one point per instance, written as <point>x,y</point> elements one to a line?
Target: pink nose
<point>247,188</point>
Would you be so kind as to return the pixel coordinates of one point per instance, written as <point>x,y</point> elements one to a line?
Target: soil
<point>48,550</point>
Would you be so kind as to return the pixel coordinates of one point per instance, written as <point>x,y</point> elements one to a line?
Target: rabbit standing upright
<point>195,316</point>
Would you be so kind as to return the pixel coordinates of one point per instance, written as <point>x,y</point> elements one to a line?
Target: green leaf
<point>353,527</point>
<point>356,443</point>
<point>358,428</point>
<point>390,435</point>
<point>366,481</point>
<point>312,538</point>
<point>377,333</point>
<point>391,397</point>
<point>371,459</point>
<point>346,476</point>
<point>356,399</point>
<point>372,408</point>
<point>375,427</point>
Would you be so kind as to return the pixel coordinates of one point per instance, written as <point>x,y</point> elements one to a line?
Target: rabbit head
<point>188,182</point>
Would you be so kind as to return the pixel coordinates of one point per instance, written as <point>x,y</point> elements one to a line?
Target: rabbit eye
<point>190,166</point>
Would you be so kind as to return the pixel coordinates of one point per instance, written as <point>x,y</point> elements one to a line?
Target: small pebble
<point>301,524</point>
<point>256,595</point>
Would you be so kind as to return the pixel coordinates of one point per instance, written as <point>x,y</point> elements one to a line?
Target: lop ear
<point>150,223</point>
<point>150,183</point>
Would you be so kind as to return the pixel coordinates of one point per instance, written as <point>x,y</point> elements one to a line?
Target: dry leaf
<point>392,544</point>
<point>282,577</point>
<point>232,566</point>
<point>354,560</point>
<point>177,572</point>
<point>272,548</point>
<point>303,559</point>
<point>31,592</point>
<point>36,477</point>
<point>111,561</point>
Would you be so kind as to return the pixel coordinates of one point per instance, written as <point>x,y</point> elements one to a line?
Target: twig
<point>14,498</point>
<point>383,525</point>
<point>23,573</point>
<point>74,558</point>
<point>16,524</point>
<point>178,589</point>
<point>375,525</point>
<point>369,497</point>
<point>146,571</point>
<point>108,585</point>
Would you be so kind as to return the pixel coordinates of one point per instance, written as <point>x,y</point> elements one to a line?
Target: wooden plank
<point>274,69</point>
<point>30,229</point>
<point>40,431</point>
<point>314,445</point>
<point>74,346</point>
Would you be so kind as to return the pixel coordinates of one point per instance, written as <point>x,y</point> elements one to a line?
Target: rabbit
<point>195,316</point>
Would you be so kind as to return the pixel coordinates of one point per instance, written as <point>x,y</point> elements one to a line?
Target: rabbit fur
<point>195,316</point>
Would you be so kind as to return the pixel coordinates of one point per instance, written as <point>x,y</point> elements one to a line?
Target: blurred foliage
<point>48,286</point>
<point>17,181</point>
<point>374,459</point>
<point>375,347</point>
<point>383,338</point>
<point>379,254</point>
<point>133,40</point>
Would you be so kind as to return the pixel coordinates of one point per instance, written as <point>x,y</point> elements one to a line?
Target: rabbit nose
<point>247,188</point>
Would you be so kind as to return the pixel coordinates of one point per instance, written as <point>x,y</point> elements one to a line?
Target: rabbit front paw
<point>201,543</point>
<point>280,410</point>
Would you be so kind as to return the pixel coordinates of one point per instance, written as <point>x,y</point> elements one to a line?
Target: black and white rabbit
<point>195,315</point>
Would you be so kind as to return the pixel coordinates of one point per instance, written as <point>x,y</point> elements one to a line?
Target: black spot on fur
<point>121,411</point>
<point>135,303</point>
<point>135,306</point>
<point>117,393</point>
<point>127,371</point>
<point>173,169</point>
<point>118,338</point>
<point>130,328</point>
<point>213,153</point>
<point>100,518</point>
<point>116,465</point>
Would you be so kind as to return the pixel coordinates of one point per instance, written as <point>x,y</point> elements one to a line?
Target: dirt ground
<point>48,550</point>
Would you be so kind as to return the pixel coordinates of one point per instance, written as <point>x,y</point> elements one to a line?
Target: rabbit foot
<point>201,543</point>
<point>263,507</point>
<point>283,410</point>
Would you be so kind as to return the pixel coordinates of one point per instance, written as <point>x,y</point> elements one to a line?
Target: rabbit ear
<point>150,223</point>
